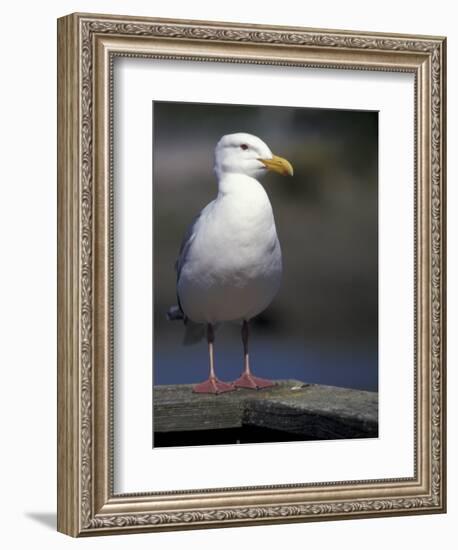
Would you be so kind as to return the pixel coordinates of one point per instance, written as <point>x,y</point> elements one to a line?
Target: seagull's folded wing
<point>187,241</point>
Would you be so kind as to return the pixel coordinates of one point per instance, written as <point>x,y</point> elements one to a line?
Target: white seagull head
<point>247,154</point>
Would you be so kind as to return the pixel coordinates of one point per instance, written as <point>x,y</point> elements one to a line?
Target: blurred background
<point>323,325</point>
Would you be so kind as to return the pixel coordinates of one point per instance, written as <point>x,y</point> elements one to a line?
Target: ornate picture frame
<point>87,46</point>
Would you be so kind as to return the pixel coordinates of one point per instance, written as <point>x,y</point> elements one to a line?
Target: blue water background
<point>345,364</point>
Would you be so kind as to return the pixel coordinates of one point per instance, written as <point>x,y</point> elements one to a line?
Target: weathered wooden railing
<point>291,410</point>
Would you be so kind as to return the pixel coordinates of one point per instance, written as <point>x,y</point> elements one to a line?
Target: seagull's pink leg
<point>212,385</point>
<point>247,380</point>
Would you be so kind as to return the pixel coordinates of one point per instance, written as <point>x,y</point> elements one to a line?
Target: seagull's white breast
<point>232,268</point>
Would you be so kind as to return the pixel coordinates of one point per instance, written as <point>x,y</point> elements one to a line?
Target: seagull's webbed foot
<point>213,385</point>
<point>247,380</point>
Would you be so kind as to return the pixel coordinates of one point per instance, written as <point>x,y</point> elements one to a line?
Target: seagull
<point>229,266</point>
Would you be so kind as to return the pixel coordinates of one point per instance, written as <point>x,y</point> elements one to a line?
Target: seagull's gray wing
<point>176,312</point>
<point>187,241</point>
<point>194,332</point>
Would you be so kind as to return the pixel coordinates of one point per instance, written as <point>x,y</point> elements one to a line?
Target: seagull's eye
<point>244,146</point>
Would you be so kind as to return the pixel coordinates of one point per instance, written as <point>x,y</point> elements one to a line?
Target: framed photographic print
<point>251,285</point>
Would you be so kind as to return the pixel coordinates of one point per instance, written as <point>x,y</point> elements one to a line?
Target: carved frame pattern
<point>84,507</point>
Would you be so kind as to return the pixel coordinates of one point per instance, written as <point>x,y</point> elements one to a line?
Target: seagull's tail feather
<point>193,334</point>
<point>175,314</point>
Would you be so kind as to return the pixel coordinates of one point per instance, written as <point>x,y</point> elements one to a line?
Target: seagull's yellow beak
<point>279,165</point>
